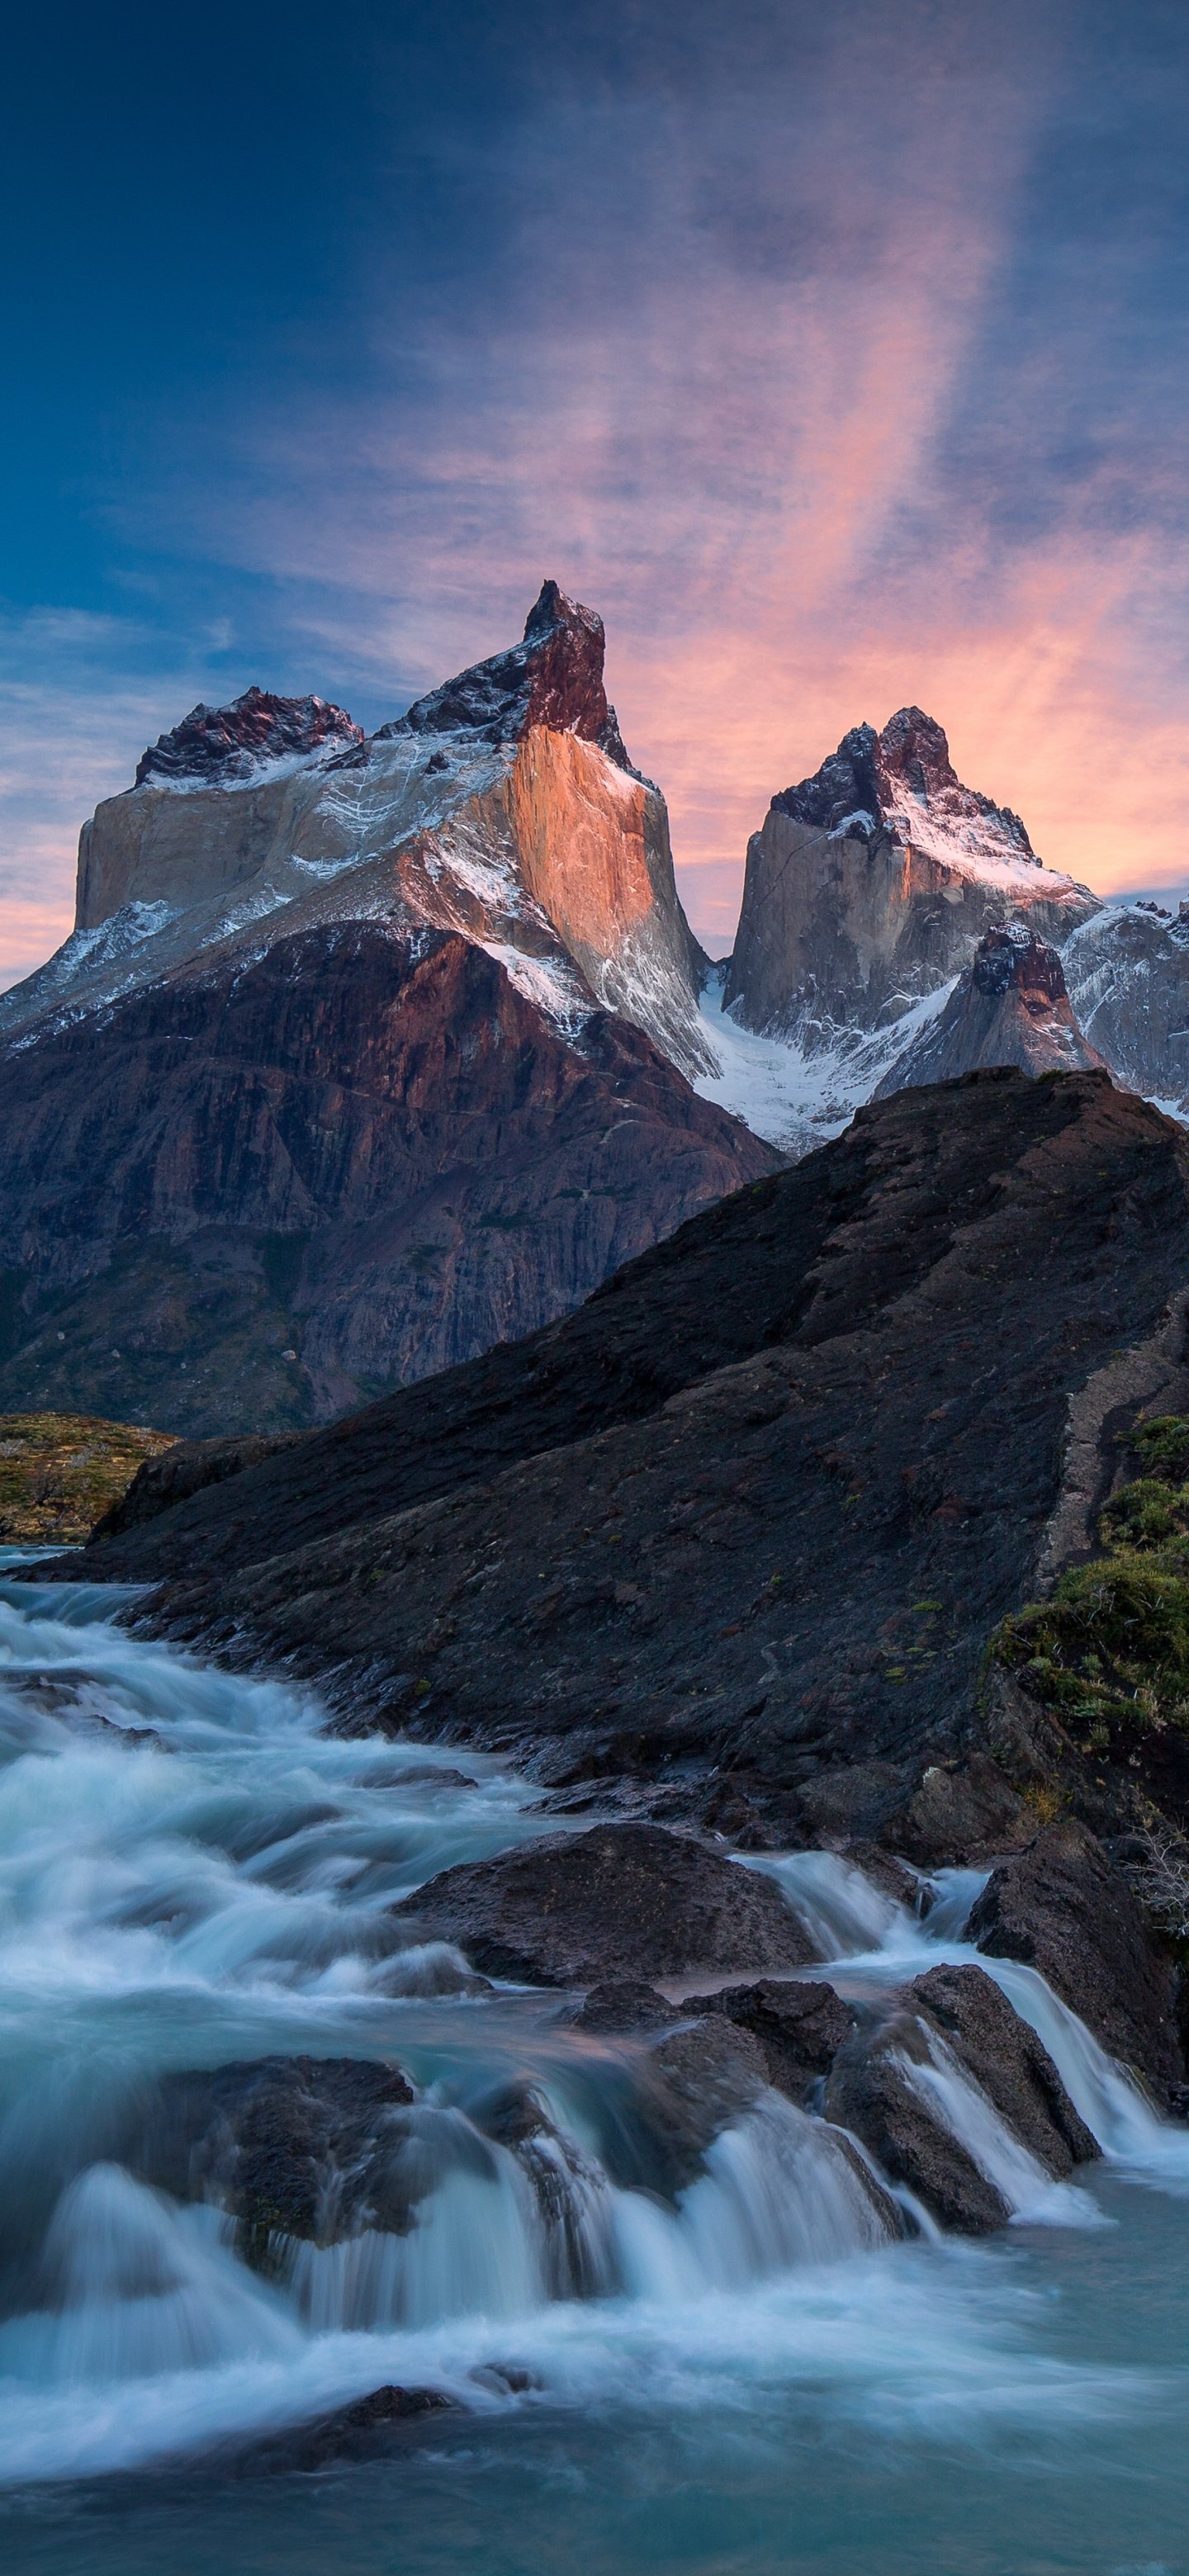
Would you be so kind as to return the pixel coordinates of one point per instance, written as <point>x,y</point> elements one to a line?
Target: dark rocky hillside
<point>738,1533</point>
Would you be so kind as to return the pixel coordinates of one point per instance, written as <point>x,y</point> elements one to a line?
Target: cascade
<point>194,1876</point>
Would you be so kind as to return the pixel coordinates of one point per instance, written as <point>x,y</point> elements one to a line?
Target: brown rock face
<point>247,1199</point>
<point>1010,1007</point>
<point>553,678</point>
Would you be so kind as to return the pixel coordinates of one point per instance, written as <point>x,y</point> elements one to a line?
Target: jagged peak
<point>220,744</point>
<point>1011,955</point>
<point>902,782</point>
<point>553,677</point>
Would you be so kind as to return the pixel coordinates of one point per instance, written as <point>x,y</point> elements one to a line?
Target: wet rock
<point>626,2003</point>
<point>570,2190</point>
<point>354,2432</point>
<point>870,2092</point>
<point>955,2015</point>
<point>290,2146</point>
<point>798,2027</point>
<point>1008,2061</point>
<point>620,1901</point>
<point>693,2084</point>
<point>429,1970</point>
<point>1062,1908</point>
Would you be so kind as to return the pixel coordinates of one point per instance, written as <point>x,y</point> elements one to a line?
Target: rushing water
<point>756,2377</point>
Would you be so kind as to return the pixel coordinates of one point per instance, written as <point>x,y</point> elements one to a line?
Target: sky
<point>837,351</point>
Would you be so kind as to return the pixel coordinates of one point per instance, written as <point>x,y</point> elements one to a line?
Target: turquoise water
<point>762,2383</point>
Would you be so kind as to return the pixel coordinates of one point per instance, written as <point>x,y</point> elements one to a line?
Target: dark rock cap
<point>229,742</point>
<point>553,677</point>
<point>864,783</point>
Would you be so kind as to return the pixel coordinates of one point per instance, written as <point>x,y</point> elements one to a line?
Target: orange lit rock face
<point>502,805</point>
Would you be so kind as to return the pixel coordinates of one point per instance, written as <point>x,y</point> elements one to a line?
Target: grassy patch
<point>1109,1652</point>
<point>59,1472</point>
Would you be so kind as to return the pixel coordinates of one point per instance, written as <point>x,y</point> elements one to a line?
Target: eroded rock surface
<point>1010,1006</point>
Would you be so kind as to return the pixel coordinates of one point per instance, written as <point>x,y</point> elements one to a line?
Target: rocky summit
<point>870,885</point>
<point>363,1055</point>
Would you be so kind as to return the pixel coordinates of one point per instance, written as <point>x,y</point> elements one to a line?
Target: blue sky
<point>837,354</point>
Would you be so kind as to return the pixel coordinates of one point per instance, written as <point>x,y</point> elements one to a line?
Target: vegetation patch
<point>59,1472</point>
<point>1109,1652</point>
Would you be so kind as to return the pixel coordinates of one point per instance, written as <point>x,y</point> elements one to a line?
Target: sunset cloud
<point>828,356</point>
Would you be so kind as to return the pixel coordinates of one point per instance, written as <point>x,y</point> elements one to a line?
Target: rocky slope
<point>1009,1006</point>
<point>363,1055</point>
<point>722,1545</point>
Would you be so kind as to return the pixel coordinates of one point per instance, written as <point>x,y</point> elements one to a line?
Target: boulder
<point>695,2082</point>
<point>798,2027</point>
<point>290,2146</point>
<point>353,2432</point>
<point>870,2090</point>
<point>1008,2061</point>
<point>869,2093</point>
<point>962,1811</point>
<point>631,1901</point>
<point>1061,1907</point>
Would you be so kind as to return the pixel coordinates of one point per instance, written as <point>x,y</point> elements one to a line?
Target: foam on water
<point>193,1873</point>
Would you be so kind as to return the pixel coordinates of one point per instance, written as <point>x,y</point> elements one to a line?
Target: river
<point>192,1872</point>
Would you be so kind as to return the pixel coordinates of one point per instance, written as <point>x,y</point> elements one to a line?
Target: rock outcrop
<point>363,1055</point>
<point>1010,1006</point>
<point>871,884</point>
<point>1127,971</point>
<point>1061,1907</point>
<point>224,746</point>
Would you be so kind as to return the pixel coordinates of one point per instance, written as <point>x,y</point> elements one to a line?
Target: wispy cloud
<point>826,354</point>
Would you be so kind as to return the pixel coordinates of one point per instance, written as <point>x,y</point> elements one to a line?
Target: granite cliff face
<point>867,891</point>
<point>871,884</point>
<point>1128,977</point>
<point>1009,1006</point>
<point>363,1054</point>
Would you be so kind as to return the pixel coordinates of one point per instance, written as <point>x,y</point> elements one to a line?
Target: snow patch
<point>794,1095</point>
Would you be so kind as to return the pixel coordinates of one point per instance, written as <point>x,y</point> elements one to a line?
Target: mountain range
<point>368,1054</point>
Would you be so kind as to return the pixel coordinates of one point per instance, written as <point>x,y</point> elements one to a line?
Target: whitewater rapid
<point>192,1872</point>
